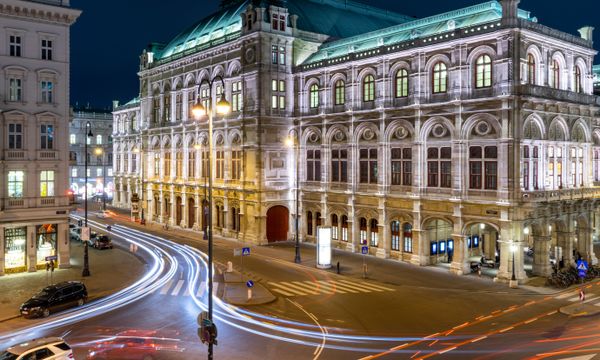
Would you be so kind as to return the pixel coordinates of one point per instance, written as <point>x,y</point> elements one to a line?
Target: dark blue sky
<point>110,35</point>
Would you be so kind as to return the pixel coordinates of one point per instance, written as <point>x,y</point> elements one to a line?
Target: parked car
<point>103,242</point>
<point>55,298</point>
<point>46,348</point>
<point>93,236</point>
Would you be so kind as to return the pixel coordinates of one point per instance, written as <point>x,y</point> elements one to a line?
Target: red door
<point>277,224</point>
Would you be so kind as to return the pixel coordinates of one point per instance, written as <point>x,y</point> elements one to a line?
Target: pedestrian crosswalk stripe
<point>559,297</point>
<point>285,288</point>
<point>283,292</point>
<point>339,288</point>
<point>361,285</point>
<point>590,299</point>
<point>201,290</point>
<point>379,286</point>
<point>306,290</point>
<point>351,286</point>
<point>573,299</point>
<point>186,291</point>
<point>315,287</point>
<point>175,291</point>
<point>166,288</point>
<point>333,288</point>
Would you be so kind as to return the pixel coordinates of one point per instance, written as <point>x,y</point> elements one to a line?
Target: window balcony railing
<point>14,155</point>
<point>546,92</point>
<point>558,195</point>
<point>35,202</point>
<point>47,155</point>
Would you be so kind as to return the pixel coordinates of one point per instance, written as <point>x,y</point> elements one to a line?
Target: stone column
<point>2,250</point>
<point>63,248</point>
<point>353,235</point>
<point>586,244</point>
<point>419,256</point>
<point>385,235</point>
<point>506,262</point>
<point>541,255</point>
<point>566,240</point>
<point>460,260</point>
<point>31,249</point>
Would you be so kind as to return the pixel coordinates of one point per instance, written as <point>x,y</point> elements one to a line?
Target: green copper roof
<point>336,18</point>
<point>596,72</point>
<point>433,25</point>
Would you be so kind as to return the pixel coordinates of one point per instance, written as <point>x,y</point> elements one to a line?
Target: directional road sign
<point>364,250</point>
<point>582,268</point>
<point>250,284</point>
<point>246,251</point>
<point>53,257</point>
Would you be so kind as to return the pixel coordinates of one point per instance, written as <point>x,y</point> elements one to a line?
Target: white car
<point>52,348</point>
<point>103,214</point>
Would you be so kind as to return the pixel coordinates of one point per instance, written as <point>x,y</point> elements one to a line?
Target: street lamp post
<point>86,260</point>
<point>223,107</point>
<point>100,152</point>
<point>293,142</point>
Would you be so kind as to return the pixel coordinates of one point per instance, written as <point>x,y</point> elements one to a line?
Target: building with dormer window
<point>433,141</point>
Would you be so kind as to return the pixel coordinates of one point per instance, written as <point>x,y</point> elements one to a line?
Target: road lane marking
<point>166,288</point>
<point>283,292</point>
<point>573,299</point>
<point>560,297</point>
<point>175,291</point>
<point>479,339</point>
<point>289,285</point>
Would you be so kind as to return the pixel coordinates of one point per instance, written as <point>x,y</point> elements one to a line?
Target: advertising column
<point>64,250</point>
<point>324,247</point>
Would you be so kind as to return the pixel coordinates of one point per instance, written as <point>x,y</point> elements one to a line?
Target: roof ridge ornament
<point>510,12</point>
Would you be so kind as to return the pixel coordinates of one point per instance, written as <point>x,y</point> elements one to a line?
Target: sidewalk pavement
<point>236,291</point>
<point>111,270</point>
<point>351,265</point>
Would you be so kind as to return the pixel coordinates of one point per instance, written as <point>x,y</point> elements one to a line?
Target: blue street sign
<point>250,283</point>
<point>364,250</point>
<point>53,257</point>
<point>582,268</point>
<point>245,251</point>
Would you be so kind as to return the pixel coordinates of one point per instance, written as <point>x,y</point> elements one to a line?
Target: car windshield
<point>8,356</point>
<point>103,238</point>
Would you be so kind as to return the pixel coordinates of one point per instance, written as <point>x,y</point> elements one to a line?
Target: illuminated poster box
<point>324,247</point>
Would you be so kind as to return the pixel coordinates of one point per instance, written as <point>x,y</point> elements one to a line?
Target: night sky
<point>110,35</point>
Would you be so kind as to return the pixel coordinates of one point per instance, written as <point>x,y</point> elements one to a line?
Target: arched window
<point>402,83</point>
<point>314,96</point>
<point>440,78</point>
<point>344,228</point>
<point>578,87</point>
<point>374,233</point>
<point>369,88</point>
<point>407,232</point>
<point>395,229</point>
<point>363,231</point>
<point>334,227</point>
<point>531,69</point>
<point>554,80</point>
<point>99,139</point>
<point>340,92</point>
<point>483,72</point>
<point>318,222</point>
<point>309,223</point>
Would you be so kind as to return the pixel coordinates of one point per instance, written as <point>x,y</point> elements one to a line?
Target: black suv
<point>102,242</point>
<point>54,298</point>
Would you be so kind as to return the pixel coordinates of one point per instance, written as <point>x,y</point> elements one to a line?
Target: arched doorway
<point>440,241</point>
<point>167,204</point>
<point>178,208</point>
<point>156,207</point>
<point>277,223</point>
<point>191,212</point>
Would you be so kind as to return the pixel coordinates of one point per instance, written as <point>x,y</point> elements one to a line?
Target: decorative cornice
<point>39,11</point>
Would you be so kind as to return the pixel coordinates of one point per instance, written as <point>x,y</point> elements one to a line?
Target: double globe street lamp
<point>86,260</point>
<point>199,110</point>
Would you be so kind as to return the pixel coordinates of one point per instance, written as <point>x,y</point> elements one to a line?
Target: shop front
<point>15,240</point>
<point>46,236</point>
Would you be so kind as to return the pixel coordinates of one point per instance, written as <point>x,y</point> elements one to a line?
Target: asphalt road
<point>318,315</point>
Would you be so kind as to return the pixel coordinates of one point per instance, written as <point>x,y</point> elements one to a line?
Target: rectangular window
<point>133,163</point>
<point>220,166</point>
<point>99,172</point>
<point>281,55</point>
<point>339,166</point>
<point>313,165</point>
<point>156,164</point>
<point>74,172</point>
<point>47,92</point>
<point>274,54</point>
<point>109,172</point>
<point>395,230</point>
<point>73,139</point>
<point>89,172</point>
<point>14,43</point>
<point>439,167</point>
<point>47,183</point>
<point>205,160</point>
<point>15,184</point>
<point>47,137</point>
<point>191,170</point>
<point>368,166</point>
<point>15,89</point>
<point>236,164</point>
<point>46,49</point>
<point>491,175</point>
<point>167,170</point>
<point>15,136</point>
<point>179,164</point>
<point>401,166</point>
<point>236,96</point>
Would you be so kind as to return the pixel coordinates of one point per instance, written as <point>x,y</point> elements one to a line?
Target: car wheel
<point>80,302</point>
<point>46,312</point>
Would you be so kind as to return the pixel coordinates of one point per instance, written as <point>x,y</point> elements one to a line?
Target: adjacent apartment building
<point>34,111</point>
<point>99,155</point>
<point>434,141</point>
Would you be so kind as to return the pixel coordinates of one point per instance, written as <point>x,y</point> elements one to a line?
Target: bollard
<point>249,294</point>
<point>338,267</point>
<point>229,266</point>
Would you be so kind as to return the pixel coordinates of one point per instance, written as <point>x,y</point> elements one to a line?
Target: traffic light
<point>208,330</point>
